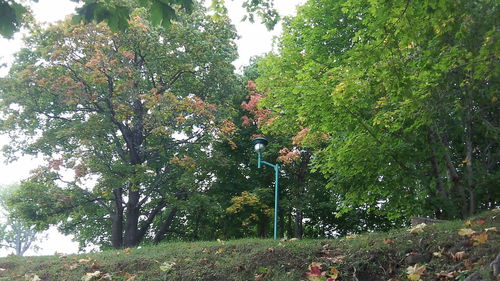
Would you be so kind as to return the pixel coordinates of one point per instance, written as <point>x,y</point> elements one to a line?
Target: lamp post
<point>260,146</point>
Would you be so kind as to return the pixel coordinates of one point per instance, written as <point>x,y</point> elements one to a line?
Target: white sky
<point>254,40</point>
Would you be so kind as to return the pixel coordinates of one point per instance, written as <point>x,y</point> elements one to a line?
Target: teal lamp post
<point>260,146</point>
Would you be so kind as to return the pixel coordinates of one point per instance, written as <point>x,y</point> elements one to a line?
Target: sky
<point>254,40</point>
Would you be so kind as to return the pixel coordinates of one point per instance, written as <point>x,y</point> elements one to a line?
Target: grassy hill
<point>458,250</point>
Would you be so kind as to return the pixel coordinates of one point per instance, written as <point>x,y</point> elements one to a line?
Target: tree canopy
<point>403,96</point>
<point>128,110</point>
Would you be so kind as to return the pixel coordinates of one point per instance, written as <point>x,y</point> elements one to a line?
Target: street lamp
<point>260,146</point>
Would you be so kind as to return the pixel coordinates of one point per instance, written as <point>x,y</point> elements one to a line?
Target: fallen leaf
<point>35,278</point>
<point>129,277</point>
<point>221,241</point>
<point>468,223</point>
<point>351,236</point>
<point>294,239</point>
<point>444,274</point>
<point>333,272</point>
<point>437,254</point>
<point>458,256</point>
<point>258,277</point>
<point>70,266</point>
<point>107,276</point>
<point>270,250</point>
<point>466,232</point>
<point>480,222</point>
<point>95,265</point>
<point>167,266</point>
<point>85,261</point>
<point>480,238</point>
<point>91,276</point>
<point>336,259</point>
<point>388,241</point>
<point>220,251</point>
<point>414,272</point>
<point>490,229</point>
<point>419,228</point>
<point>127,251</point>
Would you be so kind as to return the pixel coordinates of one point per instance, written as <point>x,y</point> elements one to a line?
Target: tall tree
<point>405,95</point>
<point>123,109</point>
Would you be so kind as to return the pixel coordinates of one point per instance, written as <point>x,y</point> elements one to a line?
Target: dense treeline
<point>375,111</point>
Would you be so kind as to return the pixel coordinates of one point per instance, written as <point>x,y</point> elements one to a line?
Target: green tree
<point>15,234</point>
<point>125,110</point>
<point>405,95</point>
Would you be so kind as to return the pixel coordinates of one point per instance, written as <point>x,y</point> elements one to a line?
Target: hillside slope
<point>446,251</point>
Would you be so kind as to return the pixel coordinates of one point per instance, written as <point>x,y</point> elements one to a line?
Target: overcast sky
<point>254,40</point>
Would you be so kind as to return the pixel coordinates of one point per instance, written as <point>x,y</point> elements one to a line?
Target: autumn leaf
<point>127,251</point>
<point>388,241</point>
<point>480,238</point>
<point>458,256</point>
<point>91,276</point>
<point>414,272</point>
<point>129,277</point>
<point>480,222</point>
<point>466,232</point>
<point>333,272</point>
<point>490,229</point>
<point>418,228</point>
<point>468,223</point>
<point>85,261</point>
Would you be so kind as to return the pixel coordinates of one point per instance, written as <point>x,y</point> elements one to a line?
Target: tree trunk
<point>133,213</point>
<point>117,220</point>
<point>298,225</point>
<point>468,160</point>
<point>160,235</point>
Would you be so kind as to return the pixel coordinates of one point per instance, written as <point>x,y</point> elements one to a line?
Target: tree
<point>14,233</point>
<point>117,13</point>
<point>124,109</point>
<point>404,95</point>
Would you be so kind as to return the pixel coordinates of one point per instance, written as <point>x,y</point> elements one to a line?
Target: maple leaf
<point>468,223</point>
<point>414,272</point>
<point>480,238</point>
<point>419,228</point>
<point>333,272</point>
<point>466,232</point>
<point>315,269</point>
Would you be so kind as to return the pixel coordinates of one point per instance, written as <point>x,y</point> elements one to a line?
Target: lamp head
<point>259,144</point>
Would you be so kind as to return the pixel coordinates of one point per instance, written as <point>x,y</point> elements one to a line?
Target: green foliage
<point>129,112</point>
<point>393,90</point>
<point>117,13</point>
<point>11,17</point>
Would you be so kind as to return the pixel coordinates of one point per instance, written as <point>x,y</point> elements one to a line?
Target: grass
<point>371,256</point>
